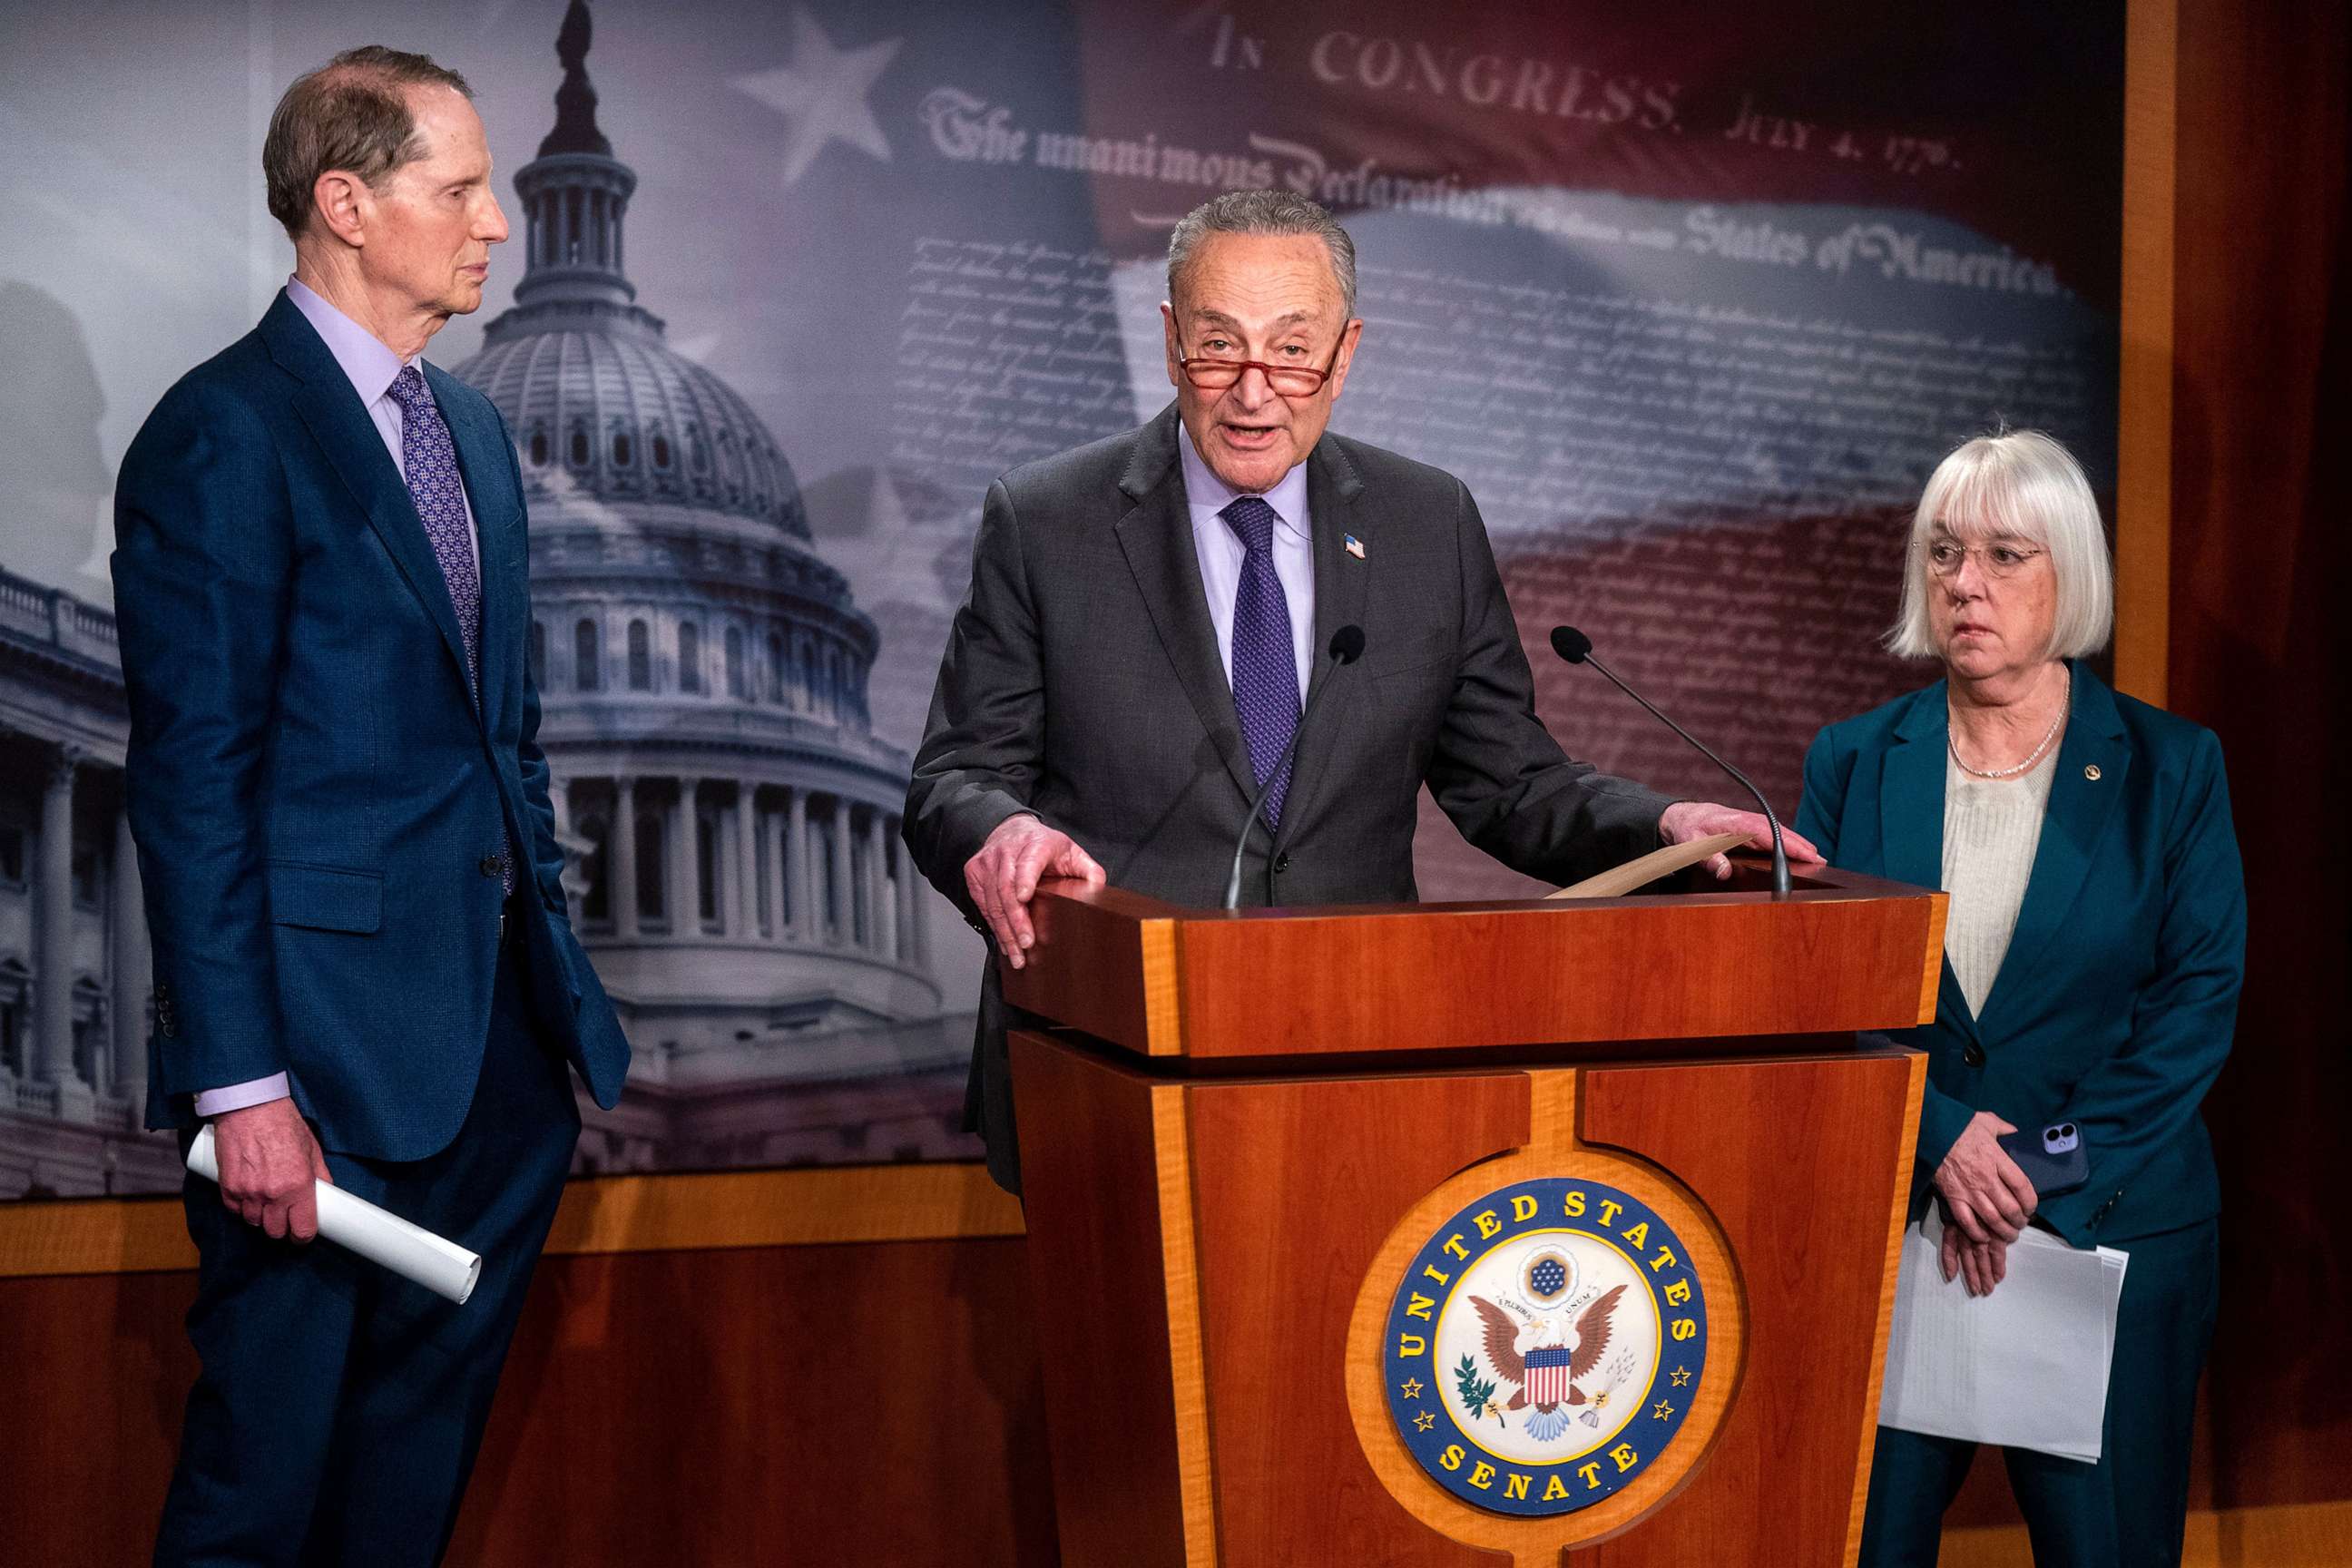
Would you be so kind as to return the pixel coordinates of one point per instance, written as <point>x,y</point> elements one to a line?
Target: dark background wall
<point>2261,504</point>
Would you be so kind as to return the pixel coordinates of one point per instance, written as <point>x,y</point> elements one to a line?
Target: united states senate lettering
<point>1544,1346</point>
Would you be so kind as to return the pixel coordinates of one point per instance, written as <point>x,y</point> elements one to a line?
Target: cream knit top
<point>1991,829</point>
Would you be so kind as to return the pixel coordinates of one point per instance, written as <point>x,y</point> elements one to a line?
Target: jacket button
<point>1281,864</point>
<point>1973,1055</point>
<point>487,866</point>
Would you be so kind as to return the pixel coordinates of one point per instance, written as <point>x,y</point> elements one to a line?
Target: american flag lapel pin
<point>1355,547</point>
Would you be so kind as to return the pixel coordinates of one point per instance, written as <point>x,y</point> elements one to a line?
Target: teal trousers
<point>2129,1510</point>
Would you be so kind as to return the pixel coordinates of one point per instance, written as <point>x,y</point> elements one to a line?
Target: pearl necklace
<point>1951,744</point>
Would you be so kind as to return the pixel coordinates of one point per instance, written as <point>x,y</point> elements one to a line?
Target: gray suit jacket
<point>1082,682</point>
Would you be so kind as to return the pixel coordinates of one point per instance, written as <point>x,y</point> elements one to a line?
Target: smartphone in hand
<point>2053,1158</point>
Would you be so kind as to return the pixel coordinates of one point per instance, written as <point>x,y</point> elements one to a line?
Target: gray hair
<point>2018,484</point>
<point>351,114</point>
<point>1269,213</point>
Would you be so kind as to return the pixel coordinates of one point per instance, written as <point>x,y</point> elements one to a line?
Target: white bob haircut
<point>2021,485</point>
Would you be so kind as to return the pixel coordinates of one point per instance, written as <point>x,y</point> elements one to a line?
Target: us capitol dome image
<point>731,820</point>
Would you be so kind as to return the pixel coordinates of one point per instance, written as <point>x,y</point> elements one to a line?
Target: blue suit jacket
<point>2115,1005</point>
<point>313,788</point>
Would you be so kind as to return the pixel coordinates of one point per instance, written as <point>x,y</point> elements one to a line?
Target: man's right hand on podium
<point>1003,877</point>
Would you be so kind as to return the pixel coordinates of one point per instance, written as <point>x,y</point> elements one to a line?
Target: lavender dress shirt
<point>1219,549</point>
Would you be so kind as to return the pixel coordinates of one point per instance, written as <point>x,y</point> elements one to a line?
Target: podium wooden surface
<point>1242,1126</point>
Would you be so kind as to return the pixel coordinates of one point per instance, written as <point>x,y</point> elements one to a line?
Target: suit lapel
<point>2072,826</point>
<point>327,404</point>
<point>1952,1002</point>
<point>482,463</point>
<point>1911,793</point>
<point>1911,818</point>
<point>1341,581</point>
<point>1156,536</point>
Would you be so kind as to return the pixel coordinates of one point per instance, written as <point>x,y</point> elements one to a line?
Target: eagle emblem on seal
<point>1547,1356</point>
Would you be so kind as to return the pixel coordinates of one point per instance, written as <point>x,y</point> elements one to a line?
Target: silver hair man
<point>352,113</point>
<point>1269,213</point>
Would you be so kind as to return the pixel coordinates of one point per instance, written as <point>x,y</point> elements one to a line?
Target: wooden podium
<point>1356,1233</point>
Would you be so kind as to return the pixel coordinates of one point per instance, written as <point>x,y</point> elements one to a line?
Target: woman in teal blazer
<point>2093,960</point>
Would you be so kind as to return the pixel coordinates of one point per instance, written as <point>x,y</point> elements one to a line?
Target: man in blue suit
<point>365,969</point>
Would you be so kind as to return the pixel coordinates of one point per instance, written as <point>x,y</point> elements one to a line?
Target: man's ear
<point>1175,350</point>
<point>343,205</point>
<point>1351,336</point>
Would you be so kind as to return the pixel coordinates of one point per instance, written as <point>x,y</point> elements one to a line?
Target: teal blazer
<point>2115,1005</point>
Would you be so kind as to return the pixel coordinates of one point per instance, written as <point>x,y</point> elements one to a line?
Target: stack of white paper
<point>2026,1367</point>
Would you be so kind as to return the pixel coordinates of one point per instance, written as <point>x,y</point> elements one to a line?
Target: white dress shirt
<point>1219,549</point>
<point>371,368</point>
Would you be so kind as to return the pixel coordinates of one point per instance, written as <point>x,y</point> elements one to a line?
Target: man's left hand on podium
<point>1688,819</point>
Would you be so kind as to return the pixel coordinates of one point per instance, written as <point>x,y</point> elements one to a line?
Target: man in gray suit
<point>1148,613</point>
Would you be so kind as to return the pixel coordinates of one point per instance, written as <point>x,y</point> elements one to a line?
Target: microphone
<point>1347,648</point>
<point>1577,649</point>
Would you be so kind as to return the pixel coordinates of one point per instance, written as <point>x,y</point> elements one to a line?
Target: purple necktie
<point>429,458</point>
<point>1265,665</point>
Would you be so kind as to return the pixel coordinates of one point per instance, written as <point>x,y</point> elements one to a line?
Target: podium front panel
<point>1222,1336</point>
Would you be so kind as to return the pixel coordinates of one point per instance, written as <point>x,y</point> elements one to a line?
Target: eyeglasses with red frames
<point>1215,372</point>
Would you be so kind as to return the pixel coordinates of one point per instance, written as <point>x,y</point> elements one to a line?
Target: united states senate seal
<point>1544,1346</point>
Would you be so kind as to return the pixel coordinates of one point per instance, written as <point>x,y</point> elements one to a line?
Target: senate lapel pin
<point>2091,771</point>
<point>1355,546</point>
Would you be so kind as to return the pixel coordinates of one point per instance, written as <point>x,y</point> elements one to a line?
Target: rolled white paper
<point>411,1251</point>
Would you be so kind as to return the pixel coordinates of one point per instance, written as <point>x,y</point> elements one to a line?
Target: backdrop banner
<point>1692,302</point>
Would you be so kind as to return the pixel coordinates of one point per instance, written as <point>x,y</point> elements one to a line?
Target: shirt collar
<point>1205,492</point>
<point>365,361</point>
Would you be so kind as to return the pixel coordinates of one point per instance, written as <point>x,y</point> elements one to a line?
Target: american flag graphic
<point>1548,1374</point>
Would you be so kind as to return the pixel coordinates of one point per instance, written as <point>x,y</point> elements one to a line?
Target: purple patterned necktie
<point>429,459</point>
<point>1265,665</point>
